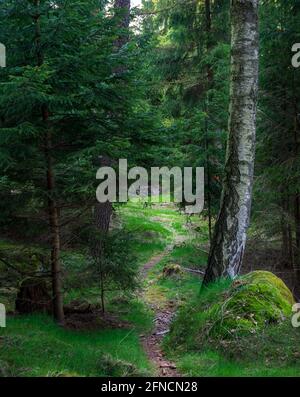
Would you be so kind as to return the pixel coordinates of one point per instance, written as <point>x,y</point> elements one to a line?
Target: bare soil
<point>94,320</point>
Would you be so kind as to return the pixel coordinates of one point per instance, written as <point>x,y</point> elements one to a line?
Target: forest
<point>185,263</point>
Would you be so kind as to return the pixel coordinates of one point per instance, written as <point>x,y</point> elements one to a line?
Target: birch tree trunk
<point>228,245</point>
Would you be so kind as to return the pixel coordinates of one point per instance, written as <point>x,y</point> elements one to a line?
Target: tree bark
<point>286,231</point>
<point>289,253</point>
<point>297,226</point>
<point>122,12</point>
<point>58,310</point>
<point>296,198</point>
<point>209,78</point>
<point>103,211</point>
<point>53,215</point>
<point>208,16</point>
<point>297,194</point>
<point>227,249</point>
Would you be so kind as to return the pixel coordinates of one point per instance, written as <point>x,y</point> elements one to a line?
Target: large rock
<point>228,310</point>
<point>253,301</point>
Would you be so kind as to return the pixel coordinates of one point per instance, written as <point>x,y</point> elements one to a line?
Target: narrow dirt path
<point>163,318</point>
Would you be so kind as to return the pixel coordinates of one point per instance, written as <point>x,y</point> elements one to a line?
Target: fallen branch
<point>162,332</point>
<point>193,271</point>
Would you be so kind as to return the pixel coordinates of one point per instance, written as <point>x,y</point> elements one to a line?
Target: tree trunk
<point>102,293</point>
<point>122,11</point>
<point>209,78</point>
<point>285,232</point>
<point>208,18</point>
<point>208,174</point>
<point>297,194</point>
<point>227,249</point>
<point>33,296</point>
<point>297,226</point>
<point>296,198</point>
<point>290,249</point>
<point>58,310</point>
<point>103,211</point>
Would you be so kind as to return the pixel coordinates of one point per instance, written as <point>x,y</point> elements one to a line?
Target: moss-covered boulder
<point>230,309</point>
<point>252,302</point>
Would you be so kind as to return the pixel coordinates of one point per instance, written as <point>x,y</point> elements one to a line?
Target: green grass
<point>275,352</point>
<point>179,288</point>
<point>183,287</point>
<point>36,346</point>
<point>151,236</point>
<point>211,364</point>
<point>144,227</point>
<point>190,255</point>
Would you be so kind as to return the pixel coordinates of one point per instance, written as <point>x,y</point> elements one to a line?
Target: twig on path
<point>193,271</point>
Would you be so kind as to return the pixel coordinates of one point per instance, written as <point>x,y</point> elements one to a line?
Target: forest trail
<point>162,320</point>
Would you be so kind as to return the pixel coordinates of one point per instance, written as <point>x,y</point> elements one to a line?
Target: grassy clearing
<point>151,235</point>
<point>36,346</point>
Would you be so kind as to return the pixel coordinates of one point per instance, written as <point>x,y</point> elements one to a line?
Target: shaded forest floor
<point>132,339</point>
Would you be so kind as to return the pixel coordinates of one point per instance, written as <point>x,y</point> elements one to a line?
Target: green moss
<point>264,277</point>
<point>228,310</point>
<point>254,301</point>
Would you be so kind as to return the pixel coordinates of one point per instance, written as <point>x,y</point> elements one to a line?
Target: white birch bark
<point>230,233</point>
